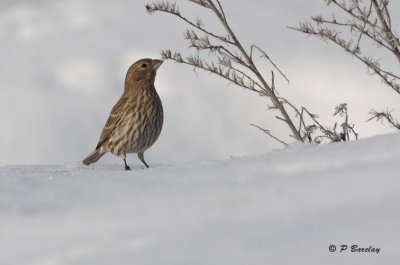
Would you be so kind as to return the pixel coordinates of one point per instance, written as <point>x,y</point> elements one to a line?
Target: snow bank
<point>284,207</point>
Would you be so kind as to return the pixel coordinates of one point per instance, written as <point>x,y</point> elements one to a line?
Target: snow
<point>284,207</point>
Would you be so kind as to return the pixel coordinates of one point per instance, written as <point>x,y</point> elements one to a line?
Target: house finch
<point>136,120</point>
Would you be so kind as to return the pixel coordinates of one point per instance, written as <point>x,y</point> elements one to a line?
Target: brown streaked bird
<point>136,120</point>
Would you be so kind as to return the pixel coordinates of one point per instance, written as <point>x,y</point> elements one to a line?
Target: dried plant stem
<point>370,18</point>
<point>237,66</point>
<point>269,133</point>
<point>384,115</point>
<point>387,29</point>
<point>250,62</point>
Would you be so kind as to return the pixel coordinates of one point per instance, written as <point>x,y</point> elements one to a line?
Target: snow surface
<point>284,207</point>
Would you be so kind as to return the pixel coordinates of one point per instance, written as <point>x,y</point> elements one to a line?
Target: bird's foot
<point>126,165</point>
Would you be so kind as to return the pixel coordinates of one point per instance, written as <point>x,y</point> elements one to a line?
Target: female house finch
<point>136,120</point>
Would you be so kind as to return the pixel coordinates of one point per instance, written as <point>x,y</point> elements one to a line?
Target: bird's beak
<point>156,64</point>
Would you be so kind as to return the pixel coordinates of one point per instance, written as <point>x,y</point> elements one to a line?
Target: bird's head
<point>142,73</point>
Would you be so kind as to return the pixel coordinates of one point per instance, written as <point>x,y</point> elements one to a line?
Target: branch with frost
<point>382,116</point>
<point>173,9</point>
<point>316,132</point>
<point>369,20</point>
<point>223,69</point>
<point>227,58</point>
<point>352,47</point>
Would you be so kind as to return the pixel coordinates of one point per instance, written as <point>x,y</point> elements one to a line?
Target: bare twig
<point>269,133</point>
<point>173,10</point>
<point>265,55</point>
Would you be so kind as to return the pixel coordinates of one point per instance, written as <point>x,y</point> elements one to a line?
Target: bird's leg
<point>126,165</point>
<point>140,155</point>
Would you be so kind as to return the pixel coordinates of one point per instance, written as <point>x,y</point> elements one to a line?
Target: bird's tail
<point>92,158</point>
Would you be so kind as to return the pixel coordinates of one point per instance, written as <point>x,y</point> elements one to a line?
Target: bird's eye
<point>144,65</point>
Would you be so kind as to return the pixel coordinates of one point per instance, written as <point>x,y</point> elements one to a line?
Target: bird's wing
<point>116,116</point>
